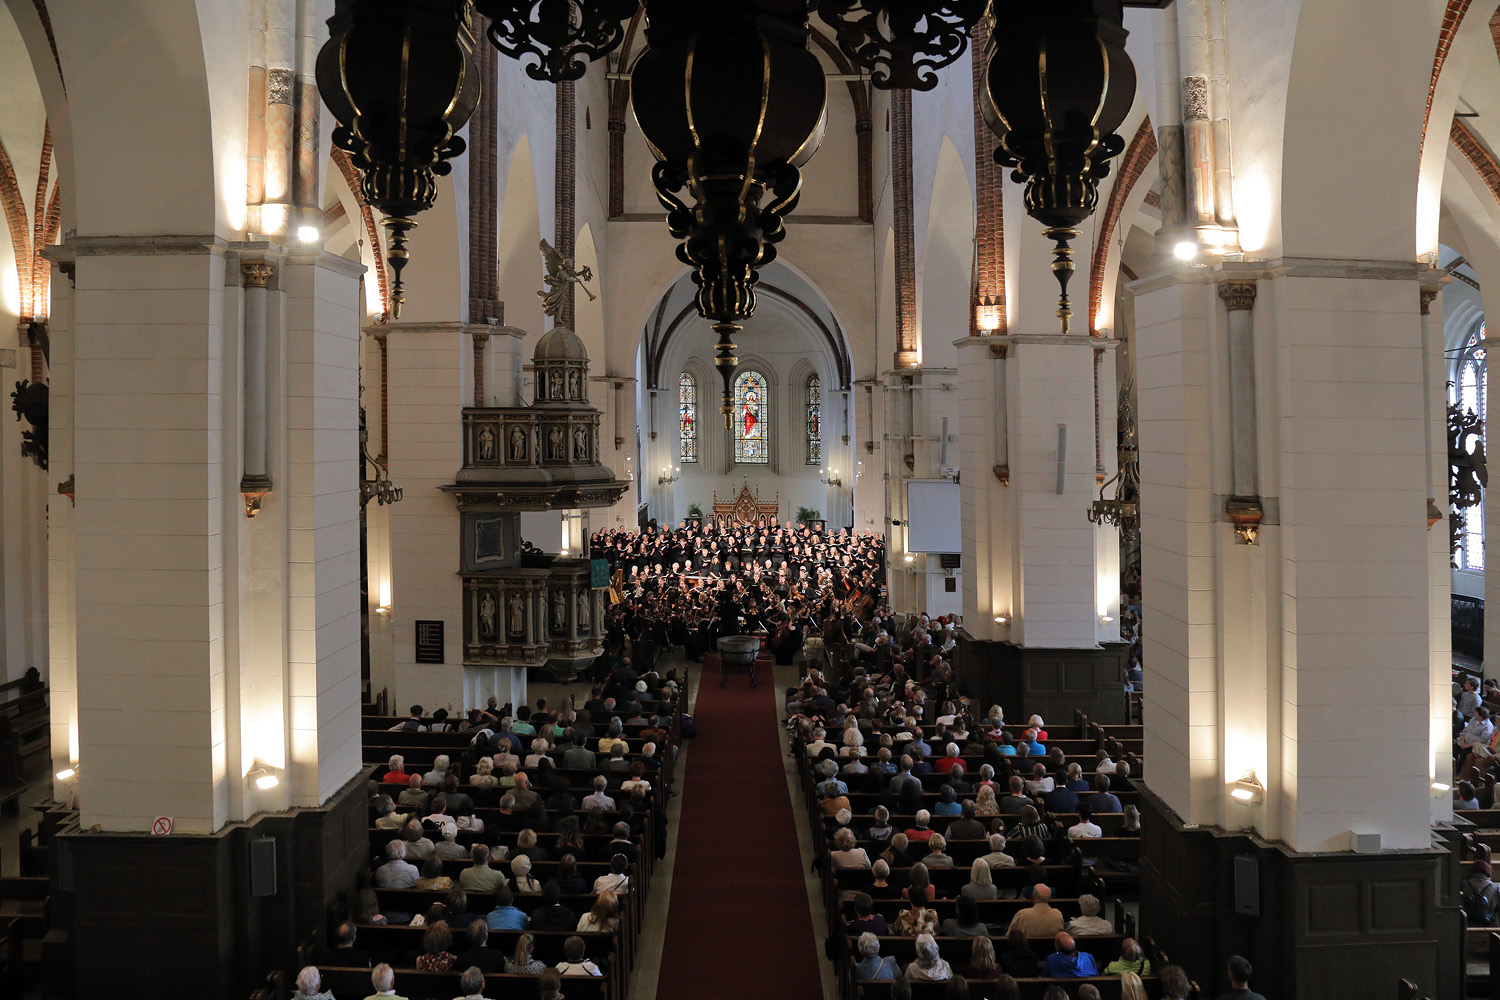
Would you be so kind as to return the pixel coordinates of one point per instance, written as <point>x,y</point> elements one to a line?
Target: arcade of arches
<point>197,555</point>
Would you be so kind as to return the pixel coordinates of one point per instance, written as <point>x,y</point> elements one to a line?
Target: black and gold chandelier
<point>732,104</point>
<point>400,77</point>
<point>1057,85</point>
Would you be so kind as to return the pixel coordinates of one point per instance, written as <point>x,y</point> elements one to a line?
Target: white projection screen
<point>934,522</point>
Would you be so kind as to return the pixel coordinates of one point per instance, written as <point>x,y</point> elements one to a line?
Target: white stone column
<point>149,531</point>
<point>322,462</point>
<point>428,387</point>
<point>1308,654</point>
<point>1049,386</point>
<point>61,668</point>
<point>984,488</point>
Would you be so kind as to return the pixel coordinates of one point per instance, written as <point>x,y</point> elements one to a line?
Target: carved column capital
<point>257,273</point>
<point>1428,296</point>
<point>1237,295</point>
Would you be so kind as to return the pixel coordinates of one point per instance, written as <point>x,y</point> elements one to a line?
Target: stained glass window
<point>814,420</point>
<point>1470,392</point>
<point>750,441</point>
<point>687,417</point>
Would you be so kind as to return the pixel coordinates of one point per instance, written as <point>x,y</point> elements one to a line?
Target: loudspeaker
<point>1062,457</point>
<point>1247,885</point>
<point>1364,843</point>
<point>263,866</point>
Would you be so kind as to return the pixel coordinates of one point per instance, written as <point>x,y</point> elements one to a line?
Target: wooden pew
<point>414,985</point>
<point>1031,989</point>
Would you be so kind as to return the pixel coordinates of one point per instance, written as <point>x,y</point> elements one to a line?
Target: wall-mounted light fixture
<point>1247,789</point>
<point>262,777</point>
<point>669,474</point>
<point>830,477</point>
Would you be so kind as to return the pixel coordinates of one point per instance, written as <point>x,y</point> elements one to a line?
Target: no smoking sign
<point>162,826</point>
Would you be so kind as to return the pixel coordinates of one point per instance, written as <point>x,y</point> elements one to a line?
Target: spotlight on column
<point>66,773</point>
<point>1186,251</point>
<point>1440,788</point>
<point>1247,789</point>
<point>1001,619</point>
<point>911,558</point>
<point>262,778</point>
<point>307,234</point>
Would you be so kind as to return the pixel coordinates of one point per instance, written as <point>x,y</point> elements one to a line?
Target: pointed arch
<point>1137,157</point>
<point>350,174</point>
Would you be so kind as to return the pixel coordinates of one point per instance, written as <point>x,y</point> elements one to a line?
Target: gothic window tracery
<point>751,444</point>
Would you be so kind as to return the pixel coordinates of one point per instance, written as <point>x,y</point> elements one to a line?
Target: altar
<point>745,509</point>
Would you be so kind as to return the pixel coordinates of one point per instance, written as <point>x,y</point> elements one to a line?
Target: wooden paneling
<point>1330,925</point>
<point>1052,683</point>
<point>153,914</point>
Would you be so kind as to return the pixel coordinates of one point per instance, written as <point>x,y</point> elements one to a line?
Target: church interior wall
<point>220,627</point>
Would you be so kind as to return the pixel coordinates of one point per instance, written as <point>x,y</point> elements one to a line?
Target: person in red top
<point>397,774</point>
<point>945,764</point>
<point>920,832</point>
<point>1036,723</point>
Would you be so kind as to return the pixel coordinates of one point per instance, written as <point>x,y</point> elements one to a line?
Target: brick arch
<point>29,236</point>
<point>350,173</point>
<point>1479,157</point>
<point>1138,156</point>
<point>1453,19</point>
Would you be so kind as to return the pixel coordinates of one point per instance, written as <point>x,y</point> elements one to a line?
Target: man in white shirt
<point>383,978</point>
<point>1478,731</point>
<point>818,743</point>
<point>598,798</point>
<point>1090,924</point>
<point>397,872</point>
<point>1040,781</point>
<point>1085,828</point>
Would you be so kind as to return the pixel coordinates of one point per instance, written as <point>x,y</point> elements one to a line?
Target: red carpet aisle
<point>739,912</point>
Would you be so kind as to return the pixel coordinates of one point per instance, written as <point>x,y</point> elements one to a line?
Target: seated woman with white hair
<point>1035,722</point>
<point>929,966</point>
<point>484,773</point>
<point>981,881</point>
<point>308,982</point>
<point>846,851</point>
<point>395,771</point>
<point>872,965</point>
<point>854,743</point>
<point>1090,924</point>
<point>539,748</point>
<point>439,770</point>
